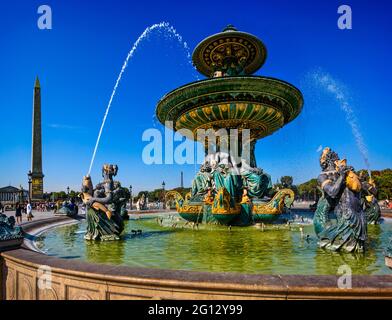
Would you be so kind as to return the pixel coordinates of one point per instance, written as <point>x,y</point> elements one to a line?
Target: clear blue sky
<point>79,60</point>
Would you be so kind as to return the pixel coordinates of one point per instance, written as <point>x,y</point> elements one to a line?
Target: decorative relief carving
<point>24,287</point>
<point>48,294</point>
<point>9,275</point>
<point>81,293</point>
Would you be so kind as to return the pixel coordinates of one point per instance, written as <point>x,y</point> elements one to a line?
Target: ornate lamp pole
<point>22,194</point>
<point>130,199</point>
<point>68,192</point>
<point>163,194</point>
<point>30,182</point>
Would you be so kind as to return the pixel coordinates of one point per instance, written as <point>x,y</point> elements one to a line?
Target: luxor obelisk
<point>36,177</point>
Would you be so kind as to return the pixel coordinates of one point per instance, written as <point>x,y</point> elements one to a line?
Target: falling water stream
<point>166,27</point>
<point>332,86</point>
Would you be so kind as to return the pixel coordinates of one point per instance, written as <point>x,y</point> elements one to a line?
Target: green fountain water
<point>278,249</point>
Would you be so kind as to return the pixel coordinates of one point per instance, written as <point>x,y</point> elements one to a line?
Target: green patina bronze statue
<point>105,206</point>
<point>201,184</point>
<point>368,197</point>
<point>224,176</point>
<point>11,236</point>
<point>225,192</point>
<point>68,208</point>
<point>256,182</point>
<point>341,196</point>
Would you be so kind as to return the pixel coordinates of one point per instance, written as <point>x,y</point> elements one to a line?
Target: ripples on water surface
<point>279,249</point>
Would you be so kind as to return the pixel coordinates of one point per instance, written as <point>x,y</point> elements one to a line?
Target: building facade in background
<point>10,195</point>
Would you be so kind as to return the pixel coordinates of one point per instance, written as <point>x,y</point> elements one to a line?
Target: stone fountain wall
<point>73,279</point>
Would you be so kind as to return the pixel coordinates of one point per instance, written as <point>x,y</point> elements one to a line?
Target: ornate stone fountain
<point>227,189</point>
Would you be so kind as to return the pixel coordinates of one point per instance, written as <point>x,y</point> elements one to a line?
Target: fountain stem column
<point>253,162</point>
<point>236,145</point>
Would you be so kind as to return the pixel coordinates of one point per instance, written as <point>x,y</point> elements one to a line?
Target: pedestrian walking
<point>29,211</point>
<point>18,214</point>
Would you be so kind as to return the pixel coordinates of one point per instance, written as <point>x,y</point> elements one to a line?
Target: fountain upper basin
<point>261,104</point>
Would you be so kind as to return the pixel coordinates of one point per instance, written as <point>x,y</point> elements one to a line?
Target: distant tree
<point>383,180</point>
<point>156,195</point>
<point>127,193</point>
<point>73,194</point>
<point>309,190</point>
<point>295,190</point>
<point>47,196</point>
<point>62,195</point>
<point>182,191</point>
<point>139,195</point>
<point>286,181</point>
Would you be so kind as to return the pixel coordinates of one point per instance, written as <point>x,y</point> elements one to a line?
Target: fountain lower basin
<point>167,242</point>
<point>73,278</point>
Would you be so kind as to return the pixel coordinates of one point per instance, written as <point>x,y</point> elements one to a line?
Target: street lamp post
<point>130,199</point>
<point>68,192</point>
<point>163,194</point>
<point>30,182</point>
<point>22,194</point>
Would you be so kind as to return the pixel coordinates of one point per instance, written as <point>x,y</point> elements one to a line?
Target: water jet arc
<point>163,26</point>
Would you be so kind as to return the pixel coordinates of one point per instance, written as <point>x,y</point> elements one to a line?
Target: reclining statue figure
<point>256,182</point>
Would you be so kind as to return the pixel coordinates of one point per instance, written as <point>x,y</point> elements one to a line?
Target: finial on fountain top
<point>229,53</point>
<point>229,27</point>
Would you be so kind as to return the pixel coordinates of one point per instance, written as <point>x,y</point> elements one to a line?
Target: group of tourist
<point>44,207</point>
<point>387,204</point>
<point>27,209</point>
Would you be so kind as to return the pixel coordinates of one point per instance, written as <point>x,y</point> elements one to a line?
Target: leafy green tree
<point>139,195</point>
<point>309,190</point>
<point>286,181</point>
<point>62,195</point>
<point>182,191</point>
<point>383,180</point>
<point>156,195</point>
<point>73,194</point>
